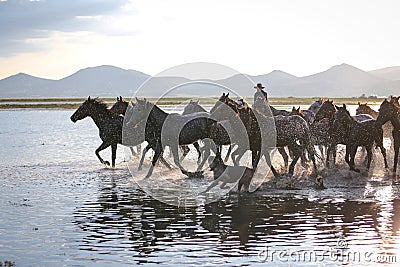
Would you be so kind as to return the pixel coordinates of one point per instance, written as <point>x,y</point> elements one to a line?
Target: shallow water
<point>61,207</point>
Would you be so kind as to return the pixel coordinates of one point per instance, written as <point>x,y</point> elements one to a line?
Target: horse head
<point>222,110</point>
<point>119,107</point>
<point>395,100</point>
<point>327,110</point>
<point>388,111</point>
<point>342,115</point>
<point>363,109</point>
<point>87,108</point>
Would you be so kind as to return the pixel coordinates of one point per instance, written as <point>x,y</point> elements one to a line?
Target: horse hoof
<point>198,174</point>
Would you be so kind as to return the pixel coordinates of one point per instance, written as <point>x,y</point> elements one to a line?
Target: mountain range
<point>109,81</point>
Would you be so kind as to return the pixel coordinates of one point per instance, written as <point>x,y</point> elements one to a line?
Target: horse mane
<point>100,104</point>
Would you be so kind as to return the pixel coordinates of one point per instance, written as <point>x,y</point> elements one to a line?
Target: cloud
<point>23,21</point>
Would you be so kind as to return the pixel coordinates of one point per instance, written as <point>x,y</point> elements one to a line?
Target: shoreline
<point>73,103</point>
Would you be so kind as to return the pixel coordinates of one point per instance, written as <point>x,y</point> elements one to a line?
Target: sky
<point>55,38</point>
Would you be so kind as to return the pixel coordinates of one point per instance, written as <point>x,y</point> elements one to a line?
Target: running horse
<point>109,124</point>
<point>388,111</point>
<point>133,135</point>
<point>366,109</point>
<point>354,134</point>
<point>171,130</point>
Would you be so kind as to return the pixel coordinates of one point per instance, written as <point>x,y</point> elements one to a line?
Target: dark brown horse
<point>120,108</point>
<point>348,131</point>
<point>365,109</point>
<point>388,111</point>
<point>109,124</point>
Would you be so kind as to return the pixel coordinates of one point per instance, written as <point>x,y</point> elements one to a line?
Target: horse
<point>314,107</point>
<point>365,109</point>
<point>307,115</point>
<point>322,129</point>
<point>242,119</point>
<point>352,133</point>
<point>192,107</point>
<point>172,130</point>
<point>388,111</point>
<point>134,136</point>
<point>229,174</point>
<point>395,100</point>
<point>291,131</point>
<point>119,108</point>
<point>110,126</point>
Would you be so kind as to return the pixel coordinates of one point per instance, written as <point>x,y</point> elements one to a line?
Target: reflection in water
<point>127,223</point>
<point>60,207</point>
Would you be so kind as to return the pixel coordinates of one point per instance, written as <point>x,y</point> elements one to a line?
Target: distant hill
<point>108,81</point>
<point>390,73</point>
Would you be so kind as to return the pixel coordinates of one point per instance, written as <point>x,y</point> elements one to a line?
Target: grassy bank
<point>73,103</point>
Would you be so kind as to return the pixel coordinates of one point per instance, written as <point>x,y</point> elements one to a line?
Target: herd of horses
<point>259,128</point>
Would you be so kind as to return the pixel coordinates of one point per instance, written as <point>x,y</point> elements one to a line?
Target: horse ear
<point>359,103</point>
<point>293,108</point>
<point>88,98</point>
<point>344,105</point>
<point>227,94</point>
<point>336,107</point>
<point>298,109</point>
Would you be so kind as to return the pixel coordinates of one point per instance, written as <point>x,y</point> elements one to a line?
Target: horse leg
<point>334,152</point>
<point>166,164</point>
<point>228,153</point>
<point>269,163</point>
<point>285,156</point>
<point>321,150</point>
<point>197,147</point>
<point>147,148</point>
<point>185,150</point>
<point>139,149</point>
<point>296,155</point>
<point>206,153</point>
<point>113,154</point>
<point>352,153</point>
<point>133,152</point>
<point>328,153</point>
<point>369,156</point>
<point>347,155</point>
<point>100,148</point>
<point>255,158</point>
<point>396,137</point>
<point>311,153</point>
<point>175,154</point>
<point>304,159</point>
<point>158,151</point>
<point>383,151</point>
<point>237,155</point>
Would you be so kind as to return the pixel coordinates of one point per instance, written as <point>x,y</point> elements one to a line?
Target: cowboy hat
<point>259,85</point>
